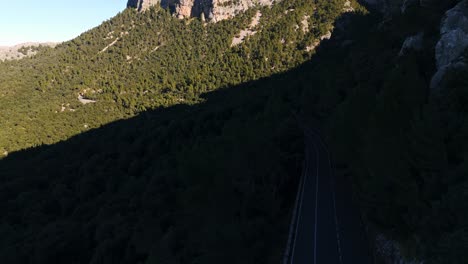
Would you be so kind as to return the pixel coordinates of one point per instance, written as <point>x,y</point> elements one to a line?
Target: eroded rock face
<point>216,10</point>
<point>142,5</point>
<point>412,43</point>
<point>212,10</point>
<point>453,42</point>
<point>408,4</point>
<point>224,9</point>
<point>454,34</point>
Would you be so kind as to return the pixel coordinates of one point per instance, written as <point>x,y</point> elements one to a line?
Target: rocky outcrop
<point>22,50</point>
<point>184,8</point>
<point>453,42</point>
<point>212,10</point>
<point>454,34</point>
<point>224,9</point>
<point>407,4</point>
<point>142,5</point>
<point>414,43</point>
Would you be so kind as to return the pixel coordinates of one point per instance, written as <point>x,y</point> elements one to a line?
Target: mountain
<point>151,139</point>
<point>142,96</point>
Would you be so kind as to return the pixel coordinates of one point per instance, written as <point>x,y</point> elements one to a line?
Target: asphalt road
<point>327,228</point>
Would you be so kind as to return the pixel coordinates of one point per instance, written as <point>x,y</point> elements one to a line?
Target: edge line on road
<point>293,225</point>
<point>306,170</point>
<point>316,202</point>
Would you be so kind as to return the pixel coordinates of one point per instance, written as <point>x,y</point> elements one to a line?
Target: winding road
<point>326,226</point>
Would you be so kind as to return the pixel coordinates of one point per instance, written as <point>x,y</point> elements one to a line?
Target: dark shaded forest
<point>207,183</point>
<point>213,179</point>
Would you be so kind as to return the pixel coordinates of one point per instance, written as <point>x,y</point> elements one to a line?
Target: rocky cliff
<point>453,43</point>
<point>224,9</point>
<point>142,5</point>
<point>212,10</point>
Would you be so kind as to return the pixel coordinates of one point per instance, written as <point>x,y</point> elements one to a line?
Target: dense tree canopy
<point>140,61</point>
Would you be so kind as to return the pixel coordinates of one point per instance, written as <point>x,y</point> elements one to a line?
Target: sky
<point>52,20</point>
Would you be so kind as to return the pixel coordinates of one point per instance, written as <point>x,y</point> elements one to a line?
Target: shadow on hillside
<point>208,183</point>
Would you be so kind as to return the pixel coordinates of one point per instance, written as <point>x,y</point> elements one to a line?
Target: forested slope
<point>140,61</point>
<point>208,183</point>
<point>187,177</point>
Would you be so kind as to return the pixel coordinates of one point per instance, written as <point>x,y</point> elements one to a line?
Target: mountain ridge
<point>22,50</point>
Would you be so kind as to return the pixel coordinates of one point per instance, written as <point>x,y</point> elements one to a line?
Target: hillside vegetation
<point>140,61</point>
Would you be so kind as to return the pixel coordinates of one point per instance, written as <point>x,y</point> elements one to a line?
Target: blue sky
<point>52,20</point>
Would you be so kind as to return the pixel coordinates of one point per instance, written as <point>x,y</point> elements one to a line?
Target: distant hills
<point>22,50</point>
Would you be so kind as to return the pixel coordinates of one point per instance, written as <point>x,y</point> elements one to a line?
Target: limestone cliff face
<point>224,9</point>
<point>142,5</point>
<point>212,10</point>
